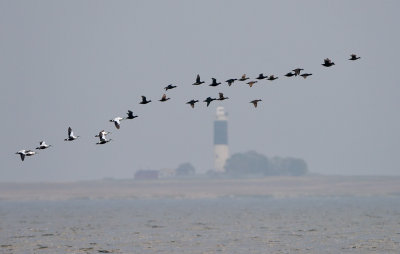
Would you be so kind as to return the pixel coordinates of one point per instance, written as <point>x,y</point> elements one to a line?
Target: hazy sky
<point>81,63</point>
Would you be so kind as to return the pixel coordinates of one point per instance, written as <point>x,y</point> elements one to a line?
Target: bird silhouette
<point>230,81</point>
<point>164,98</point>
<point>261,76</point>
<point>130,115</point>
<point>354,57</point>
<point>24,153</point>
<point>209,100</point>
<point>221,97</point>
<point>42,145</point>
<point>117,121</point>
<point>214,82</point>
<point>144,100</point>
<point>243,78</point>
<point>170,86</point>
<point>297,71</point>
<point>102,137</point>
<point>71,136</point>
<point>272,77</point>
<point>305,75</point>
<point>328,62</point>
<point>255,102</point>
<point>198,82</point>
<point>192,102</point>
<point>251,83</point>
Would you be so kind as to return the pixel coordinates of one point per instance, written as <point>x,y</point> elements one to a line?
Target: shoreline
<point>200,188</point>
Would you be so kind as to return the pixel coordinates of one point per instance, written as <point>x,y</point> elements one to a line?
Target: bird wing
<point>143,98</point>
<point>22,156</point>
<point>164,97</point>
<point>221,95</point>
<point>243,76</point>
<point>41,142</point>
<point>70,132</point>
<point>198,78</point>
<point>117,124</point>
<point>192,104</point>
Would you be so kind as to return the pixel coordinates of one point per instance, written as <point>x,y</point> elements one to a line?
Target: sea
<point>251,224</point>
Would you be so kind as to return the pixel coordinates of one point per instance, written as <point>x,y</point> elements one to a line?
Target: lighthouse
<point>221,150</point>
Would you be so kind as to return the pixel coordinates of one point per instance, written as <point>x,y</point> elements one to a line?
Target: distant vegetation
<point>255,164</point>
<point>185,169</point>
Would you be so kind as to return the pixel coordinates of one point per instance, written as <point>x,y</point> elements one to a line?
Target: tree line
<point>254,164</point>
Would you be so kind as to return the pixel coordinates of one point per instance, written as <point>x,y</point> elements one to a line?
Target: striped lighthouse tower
<point>221,150</point>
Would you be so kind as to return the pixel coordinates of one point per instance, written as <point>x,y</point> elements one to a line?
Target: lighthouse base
<point>221,154</point>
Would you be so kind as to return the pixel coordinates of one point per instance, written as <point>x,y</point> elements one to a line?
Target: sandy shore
<point>277,187</point>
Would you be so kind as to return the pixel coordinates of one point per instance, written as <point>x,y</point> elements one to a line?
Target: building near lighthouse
<point>221,149</point>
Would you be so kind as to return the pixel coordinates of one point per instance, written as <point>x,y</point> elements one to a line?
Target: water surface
<point>221,225</point>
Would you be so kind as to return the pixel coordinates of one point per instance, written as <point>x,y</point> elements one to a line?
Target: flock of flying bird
<point>117,121</point>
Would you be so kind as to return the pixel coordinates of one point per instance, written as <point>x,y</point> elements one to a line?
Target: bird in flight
<point>289,74</point>
<point>328,62</point>
<point>209,100</point>
<point>297,71</point>
<point>230,81</point>
<point>24,153</point>
<point>221,97</point>
<point>117,121</point>
<point>255,102</point>
<point>272,77</point>
<point>354,57</point>
<point>305,75</point>
<point>130,115</point>
<point>71,136</point>
<point>251,83</point>
<point>192,102</point>
<point>42,145</point>
<point>164,98</point>
<point>144,100</point>
<point>198,81</point>
<point>170,86</point>
<point>214,82</point>
<point>261,76</point>
<point>243,78</point>
<point>102,136</point>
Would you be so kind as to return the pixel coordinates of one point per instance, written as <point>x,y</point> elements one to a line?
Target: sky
<point>82,63</point>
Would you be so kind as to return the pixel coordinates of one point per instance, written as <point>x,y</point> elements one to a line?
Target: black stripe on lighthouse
<point>220,132</point>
